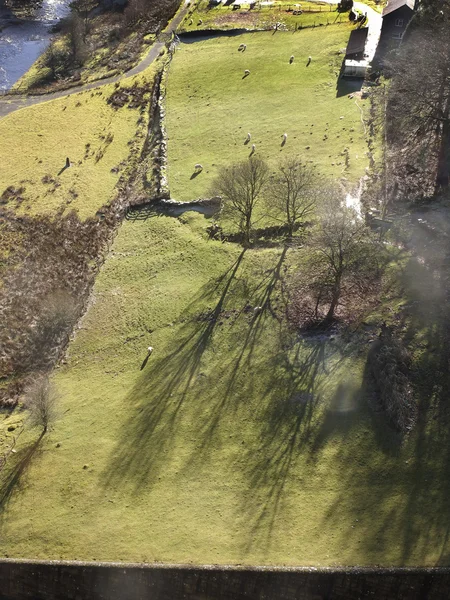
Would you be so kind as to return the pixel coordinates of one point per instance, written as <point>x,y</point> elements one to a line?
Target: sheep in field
<point>291,60</point>
<point>253,148</point>
<point>198,167</point>
<point>284,138</point>
<point>249,137</point>
<point>246,72</point>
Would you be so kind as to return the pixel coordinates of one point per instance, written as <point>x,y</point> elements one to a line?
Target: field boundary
<point>351,570</point>
<point>54,580</point>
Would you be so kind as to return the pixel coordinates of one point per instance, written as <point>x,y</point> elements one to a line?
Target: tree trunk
<point>247,230</point>
<point>443,169</point>
<point>334,301</point>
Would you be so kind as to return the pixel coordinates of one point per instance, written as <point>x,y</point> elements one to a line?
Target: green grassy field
<point>315,14</point>
<point>83,127</point>
<point>210,107</point>
<point>238,442</point>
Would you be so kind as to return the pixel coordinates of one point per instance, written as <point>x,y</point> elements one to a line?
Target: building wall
<point>395,24</point>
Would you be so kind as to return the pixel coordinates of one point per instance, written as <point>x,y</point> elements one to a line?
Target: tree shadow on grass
<point>159,395</point>
<point>293,426</point>
<point>14,471</point>
<point>261,298</point>
<point>160,392</point>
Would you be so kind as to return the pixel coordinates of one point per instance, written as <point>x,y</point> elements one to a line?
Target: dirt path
<point>9,104</point>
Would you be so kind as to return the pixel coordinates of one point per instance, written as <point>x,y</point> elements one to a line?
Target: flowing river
<point>23,40</point>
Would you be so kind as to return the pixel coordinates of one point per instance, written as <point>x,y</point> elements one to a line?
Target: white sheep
<point>244,47</point>
<point>198,167</point>
<point>284,137</point>
<point>246,72</point>
<point>249,137</point>
<point>150,350</point>
<point>291,60</point>
<point>253,147</point>
<point>200,21</point>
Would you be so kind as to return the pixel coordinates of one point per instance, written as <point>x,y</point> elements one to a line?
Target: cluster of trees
<point>82,37</point>
<point>343,258</point>
<point>289,195</point>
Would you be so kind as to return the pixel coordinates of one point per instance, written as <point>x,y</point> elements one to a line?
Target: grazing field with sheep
<point>218,93</point>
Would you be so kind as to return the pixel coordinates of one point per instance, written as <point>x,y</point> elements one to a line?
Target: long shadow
<point>288,426</point>
<point>11,483</point>
<point>261,298</point>
<point>160,392</point>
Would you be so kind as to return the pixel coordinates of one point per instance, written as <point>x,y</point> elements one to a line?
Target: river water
<point>22,43</point>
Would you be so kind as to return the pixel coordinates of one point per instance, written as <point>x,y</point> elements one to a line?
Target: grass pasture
<point>211,107</point>
<point>83,127</point>
<point>238,441</point>
<point>315,14</point>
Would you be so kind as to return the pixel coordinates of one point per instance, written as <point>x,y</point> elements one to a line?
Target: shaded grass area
<point>314,14</point>
<point>211,106</point>
<point>239,441</point>
<point>97,139</point>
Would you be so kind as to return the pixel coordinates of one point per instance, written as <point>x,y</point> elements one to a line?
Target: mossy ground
<point>211,107</point>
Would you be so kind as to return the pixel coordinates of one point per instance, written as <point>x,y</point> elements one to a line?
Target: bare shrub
<point>389,364</point>
<point>40,400</point>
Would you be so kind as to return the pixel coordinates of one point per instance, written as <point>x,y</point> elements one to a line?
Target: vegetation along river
<point>24,34</point>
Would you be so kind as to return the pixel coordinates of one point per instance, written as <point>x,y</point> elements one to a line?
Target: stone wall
<point>78,581</point>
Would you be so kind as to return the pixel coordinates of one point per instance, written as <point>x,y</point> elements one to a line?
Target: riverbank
<point>24,36</point>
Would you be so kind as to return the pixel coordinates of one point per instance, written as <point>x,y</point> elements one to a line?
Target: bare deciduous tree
<point>41,401</point>
<point>241,186</point>
<point>293,191</point>
<point>345,248</point>
<point>77,33</point>
<point>342,269</point>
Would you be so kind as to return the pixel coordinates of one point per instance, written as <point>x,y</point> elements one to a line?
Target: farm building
<point>356,44</point>
<point>396,16</point>
<point>355,64</point>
